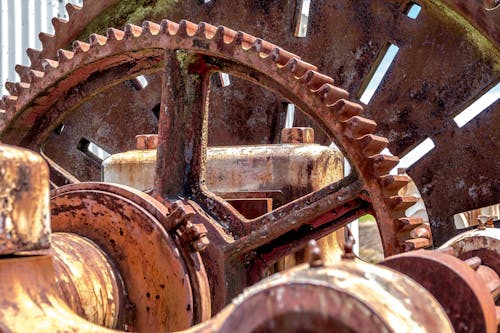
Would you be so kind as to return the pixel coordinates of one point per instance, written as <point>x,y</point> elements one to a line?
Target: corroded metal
<point>208,49</point>
<point>24,206</point>
<point>411,104</point>
<point>464,293</point>
<point>124,224</point>
<point>87,280</point>
<point>484,244</point>
<point>351,296</point>
<point>31,301</point>
<point>284,171</point>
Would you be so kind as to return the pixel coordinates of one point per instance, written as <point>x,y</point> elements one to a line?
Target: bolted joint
<point>195,235</point>
<point>179,215</point>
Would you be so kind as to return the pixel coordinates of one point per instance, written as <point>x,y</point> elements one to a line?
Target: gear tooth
<point>34,56</point>
<point>207,30</point>
<point>408,223</point>
<point>132,30</point>
<point>222,36</point>
<point>372,144</point>
<point>315,81</point>
<point>298,67</point>
<point>400,203</point>
<point>79,46</point>
<point>244,40</point>
<point>35,75</point>
<point>187,28</point>
<point>23,72</point>
<point>382,164</point>
<point>343,109</point>
<point>114,34</point>
<point>72,9</point>
<point>263,47</point>
<point>48,40</point>
<point>393,183</point>
<point>330,93</point>
<point>281,57</point>
<point>151,28</point>
<point>356,127</point>
<point>64,55</point>
<point>11,87</point>
<point>9,102</point>
<point>59,25</point>
<point>415,244</point>
<point>22,86</point>
<point>422,231</point>
<point>48,63</point>
<point>169,27</point>
<point>96,39</point>
<point>228,35</point>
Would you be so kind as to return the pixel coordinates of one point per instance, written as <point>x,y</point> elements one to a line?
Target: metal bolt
<point>482,220</point>
<point>348,246</point>
<point>315,255</point>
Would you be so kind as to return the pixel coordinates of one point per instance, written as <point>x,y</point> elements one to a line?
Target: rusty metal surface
<point>158,294</point>
<point>238,54</point>
<point>484,244</point>
<point>86,279</point>
<point>31,300</point>
<point>462,293</point>
<point>342,298</point>
<point>290,170</point>
<point>440,26</point>
<point>417,98</point>
<point>23,182</point>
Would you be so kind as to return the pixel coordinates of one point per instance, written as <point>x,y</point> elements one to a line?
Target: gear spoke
<point>328,209</point>
<point>182,137</point>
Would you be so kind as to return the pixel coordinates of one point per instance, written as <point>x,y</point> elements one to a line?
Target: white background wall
<point>20,23</point>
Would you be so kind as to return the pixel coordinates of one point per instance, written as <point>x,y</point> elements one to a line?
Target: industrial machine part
<point>479,47</point>
<point>111,284</point>
<point>23,181</point>
<point>279,172</point>
<point>351,296</point>
<point>189,53</point>
<point>411,104</point>
<point>466,289</point>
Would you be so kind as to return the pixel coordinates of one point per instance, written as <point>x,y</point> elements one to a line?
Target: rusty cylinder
<point>87,280</point>
<point>24,201</point>
<point>350,296</point>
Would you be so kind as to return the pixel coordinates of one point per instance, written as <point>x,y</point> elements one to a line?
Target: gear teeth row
<point>356,129</point>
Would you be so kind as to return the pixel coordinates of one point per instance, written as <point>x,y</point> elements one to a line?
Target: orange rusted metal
<point>24,208</point>
<point>461,291</point>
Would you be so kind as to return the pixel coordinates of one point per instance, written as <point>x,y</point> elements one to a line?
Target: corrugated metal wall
<point>20,23</point>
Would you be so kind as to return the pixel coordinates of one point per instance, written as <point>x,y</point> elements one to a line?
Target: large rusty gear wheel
<point>351,37</point>
<point>41,103</point>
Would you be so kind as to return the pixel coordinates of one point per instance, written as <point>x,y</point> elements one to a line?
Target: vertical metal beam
<point>182,135</point>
